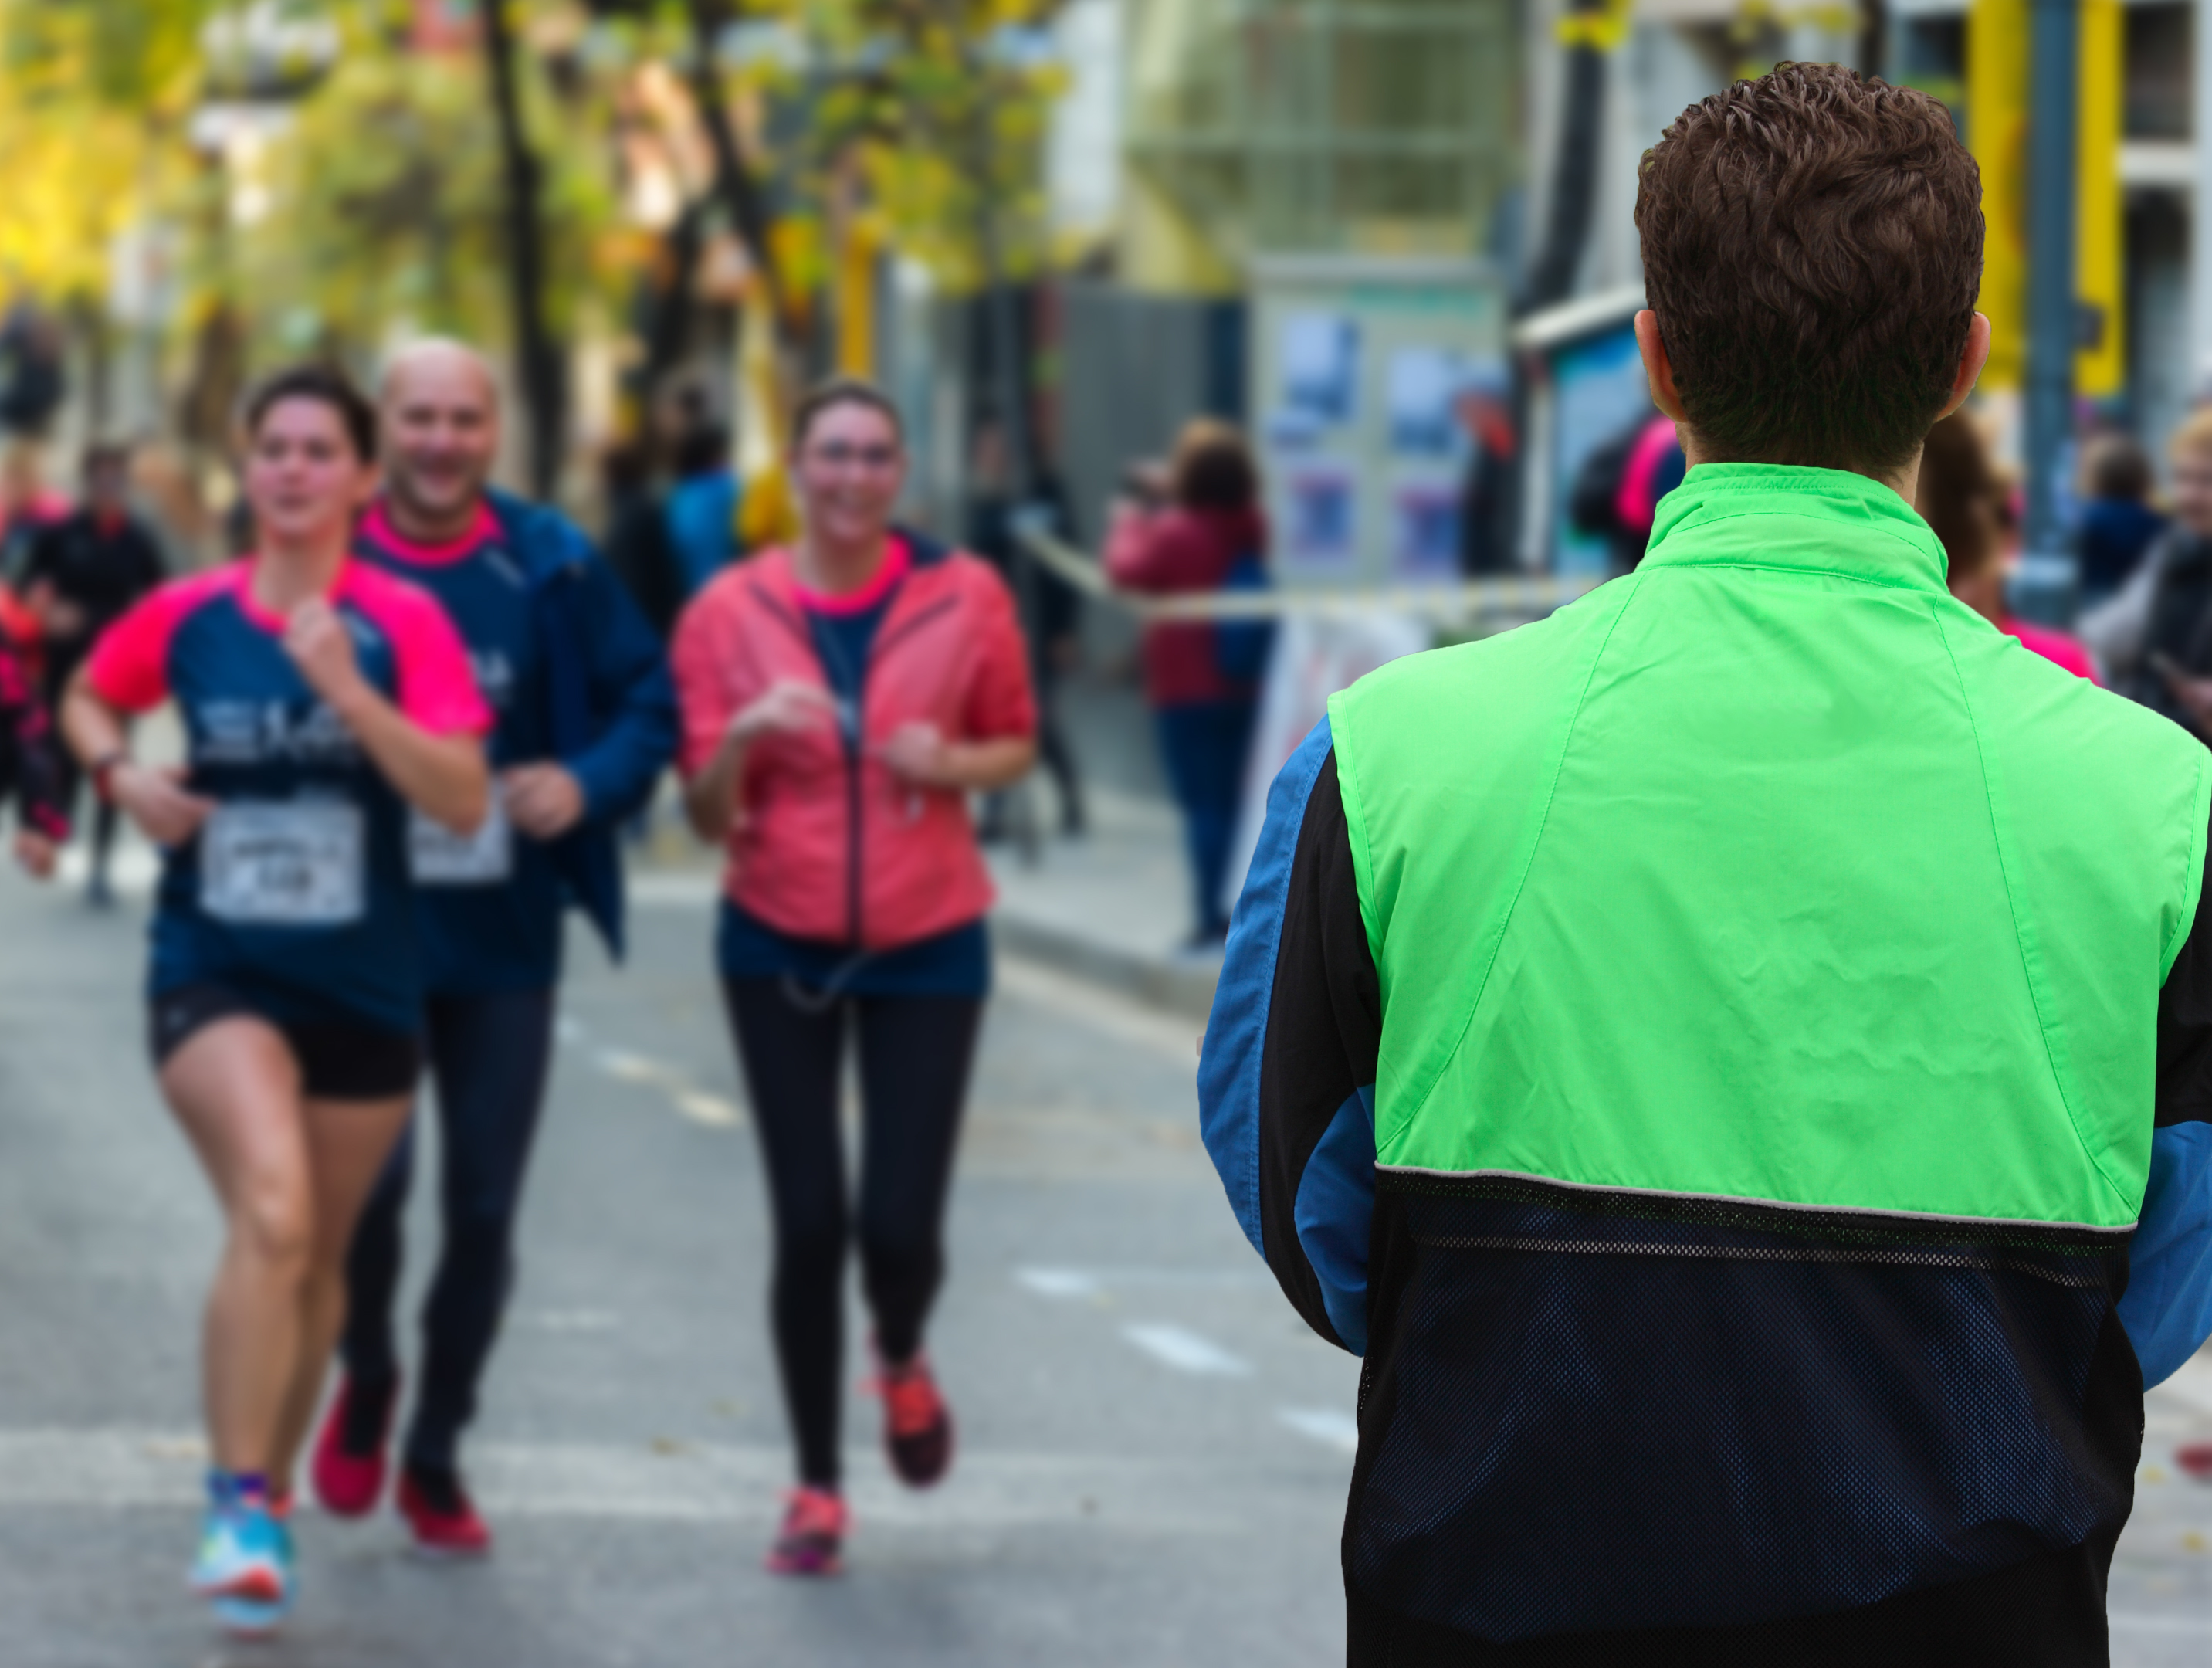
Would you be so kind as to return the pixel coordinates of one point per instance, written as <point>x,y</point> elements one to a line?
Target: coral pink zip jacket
<point>827,845</point>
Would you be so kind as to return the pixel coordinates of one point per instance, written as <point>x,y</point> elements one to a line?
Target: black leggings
<point>488,1055</point>
<point>914,1053</point>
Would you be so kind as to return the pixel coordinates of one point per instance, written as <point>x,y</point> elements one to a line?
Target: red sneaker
<point>349,1466</point>
<point>917,1424</point>
<point>815,1521</point>
<point>441,1515</point>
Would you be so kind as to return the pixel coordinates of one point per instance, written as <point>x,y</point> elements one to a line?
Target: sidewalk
<point>1111,906</point>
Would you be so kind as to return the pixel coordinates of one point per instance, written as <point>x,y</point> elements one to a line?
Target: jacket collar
<point>1776,515</point>
<point>774,583</point>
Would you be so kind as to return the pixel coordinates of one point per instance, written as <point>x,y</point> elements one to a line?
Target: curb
<point>1161,983</point>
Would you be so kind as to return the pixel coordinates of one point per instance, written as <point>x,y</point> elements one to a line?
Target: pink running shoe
<point>814,1524</point>
<point>917,1424</point>
<point>349,1463</point>
<point>446,1521</point>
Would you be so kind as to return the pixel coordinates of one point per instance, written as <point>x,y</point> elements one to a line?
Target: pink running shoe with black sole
<point>917,1423</point>
<point>445,1522</point>
<point>815,1522</point>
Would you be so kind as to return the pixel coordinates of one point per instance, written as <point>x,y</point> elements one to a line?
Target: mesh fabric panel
<point>1611,1412</point>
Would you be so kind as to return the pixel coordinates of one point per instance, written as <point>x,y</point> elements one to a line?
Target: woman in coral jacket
<point>841,699</point>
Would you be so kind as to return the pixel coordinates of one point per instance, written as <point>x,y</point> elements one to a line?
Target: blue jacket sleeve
<point>1286,1078</point>
<point>2167,1307</point>
<point>614,703</point>
<point>632,697</point>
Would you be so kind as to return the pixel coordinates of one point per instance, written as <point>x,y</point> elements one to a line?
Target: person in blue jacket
<point>586,722</point>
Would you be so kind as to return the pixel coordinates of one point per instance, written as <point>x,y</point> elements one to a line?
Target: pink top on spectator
<point>2056,647</point>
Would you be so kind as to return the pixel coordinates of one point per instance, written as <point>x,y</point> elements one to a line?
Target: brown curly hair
<point>1812,248</point>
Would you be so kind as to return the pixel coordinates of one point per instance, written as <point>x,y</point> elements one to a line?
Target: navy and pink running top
<point>296,890</point>
<point>489,907</point>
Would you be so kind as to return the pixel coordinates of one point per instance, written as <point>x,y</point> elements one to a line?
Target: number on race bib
<point>290,863</point>
<point>439,857</point>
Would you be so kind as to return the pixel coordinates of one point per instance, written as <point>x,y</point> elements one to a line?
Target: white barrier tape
<point>1525,597</point>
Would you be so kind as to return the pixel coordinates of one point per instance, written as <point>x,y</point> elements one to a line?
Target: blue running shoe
<point>248,1618</point>
<point>244,1554</point>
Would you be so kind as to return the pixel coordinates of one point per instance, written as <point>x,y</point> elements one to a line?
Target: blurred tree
<point>941,109</point>
<point>390,201</point>
<point>86,88</point>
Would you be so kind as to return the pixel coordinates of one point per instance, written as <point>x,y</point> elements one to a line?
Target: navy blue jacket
<point>613,715</point>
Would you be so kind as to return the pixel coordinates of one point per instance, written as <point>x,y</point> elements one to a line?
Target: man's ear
<point>1970,364</point>
<point>1659,370</point>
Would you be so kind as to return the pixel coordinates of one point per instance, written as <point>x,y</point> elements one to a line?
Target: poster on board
<point>1321,368</point>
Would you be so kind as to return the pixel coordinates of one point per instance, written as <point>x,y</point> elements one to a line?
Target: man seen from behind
<point>1735,1056</point>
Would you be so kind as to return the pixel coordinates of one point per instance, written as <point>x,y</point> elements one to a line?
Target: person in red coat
<point>1210,525</point>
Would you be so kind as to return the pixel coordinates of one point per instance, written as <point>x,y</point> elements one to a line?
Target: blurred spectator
<point>701,507</point>
<point>1962,500</point>
<point>2155,637</point>
<point>83,573</point>
<point>1619,487</point>
<point>1050,609</point>
<point>1209,528</point>
<point>637,543</point>
<point>30,760</point>
<point>1490,500</point>
<point>2117,523</point>
<point>26,506</point>
<point>38,379</point>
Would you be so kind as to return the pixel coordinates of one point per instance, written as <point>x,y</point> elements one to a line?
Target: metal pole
<point>2052,311</point>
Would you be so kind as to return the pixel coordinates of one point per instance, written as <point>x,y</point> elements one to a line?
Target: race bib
<point>283,863</point>
<point>440,857</point>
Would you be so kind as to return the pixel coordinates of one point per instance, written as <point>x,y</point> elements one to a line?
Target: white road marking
<point>2188,1627</point>
<point>1331,1427</point>
<point>710,1109</point>
<point>670,1481</point>
<point>1094,1005</point>
<point>1089,1282</point>
<point>1186,1351</point>
<point>630,1067</point>
<point>569,1320</point>
<point>1059,1282</point>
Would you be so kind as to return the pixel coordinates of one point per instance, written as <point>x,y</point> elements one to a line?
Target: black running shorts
<point>339,1059</point>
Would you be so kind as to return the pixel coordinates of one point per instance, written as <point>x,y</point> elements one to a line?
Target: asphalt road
<point>1154,1449</point>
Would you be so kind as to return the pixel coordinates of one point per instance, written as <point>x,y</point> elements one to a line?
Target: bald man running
<point>585,722</point>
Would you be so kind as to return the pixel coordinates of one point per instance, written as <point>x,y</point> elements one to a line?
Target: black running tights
<point>914,1056</point>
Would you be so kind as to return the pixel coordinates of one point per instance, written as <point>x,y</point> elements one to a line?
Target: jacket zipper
<point>855,799</point>
<point>852,746</point>
<point>876,651</point>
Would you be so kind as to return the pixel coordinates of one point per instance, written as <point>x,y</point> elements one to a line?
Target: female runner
<point>321,700</point>
<point>841,699</point>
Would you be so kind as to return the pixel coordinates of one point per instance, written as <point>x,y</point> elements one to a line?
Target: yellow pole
<point>2100,368</point>
<point>1996,132</point>
<point>856,299</point>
